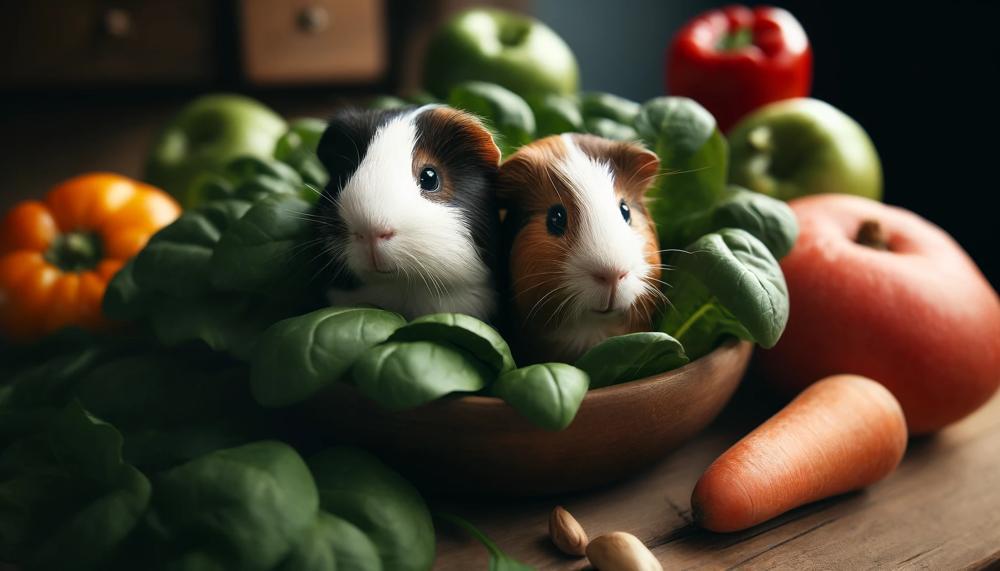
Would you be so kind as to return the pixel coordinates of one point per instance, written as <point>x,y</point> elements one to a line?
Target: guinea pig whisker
<point>540,284</point>
<point>539,304</point>
<point>536,275</point>
<point>561,306</point>
<point>322,195</point>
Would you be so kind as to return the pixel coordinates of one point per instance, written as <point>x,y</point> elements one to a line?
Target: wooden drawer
<point>313,41</point>
<point>126,41</point>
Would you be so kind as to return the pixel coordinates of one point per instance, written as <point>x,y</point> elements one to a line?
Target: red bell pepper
<point>737,59</point>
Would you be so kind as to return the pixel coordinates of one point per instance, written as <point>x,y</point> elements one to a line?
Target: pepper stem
<point>735,40</point>
<point>75,251</point>
<point>871,234</point>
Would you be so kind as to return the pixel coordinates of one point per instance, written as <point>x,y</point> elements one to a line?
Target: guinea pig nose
<point>609,276</point>
<point>384,233</point>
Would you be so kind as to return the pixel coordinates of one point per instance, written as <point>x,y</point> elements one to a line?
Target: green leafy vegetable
<point>223,322</point>
<point>333,543</point>
<point>387,102</point>
<point>609,129</point>
<point>123,298</point>
<point>358,488</point>
<point>731,284</point>
<point>548,394</point>
<point>267,250</point>
<point>177,260</point>
<point>464,332</point>
<point>297,148</point>
<point>67,499</point>
<point>693,161</point>
<point>770,220</point>
<point>247,505</point>
<point>555,114</point>
<point>609,106</point>
<point>504,111</point>
<point>299,356</point>
<point>625,358</point>
<point>400,375</point>
<point>499,561</point>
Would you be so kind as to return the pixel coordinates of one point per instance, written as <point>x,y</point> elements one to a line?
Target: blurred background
<point>86,84</point>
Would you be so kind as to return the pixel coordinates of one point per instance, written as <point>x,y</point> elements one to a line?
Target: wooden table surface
<point>939,510</point>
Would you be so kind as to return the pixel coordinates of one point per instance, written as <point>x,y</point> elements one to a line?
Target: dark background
<point>921,79</point>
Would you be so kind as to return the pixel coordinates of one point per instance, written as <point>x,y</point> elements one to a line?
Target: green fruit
<point>513,50</point>
<point>206,134</point>
<point>803,146</point>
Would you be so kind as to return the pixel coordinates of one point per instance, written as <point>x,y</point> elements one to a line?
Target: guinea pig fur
<point>584,260</point>
<point>410,216</point>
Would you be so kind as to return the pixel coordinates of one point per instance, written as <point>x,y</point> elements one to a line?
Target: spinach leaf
<point>297,148</point>
<point>729,283</point>
<point>555,114</point>
<point>770,220</point>
<point>464,332</point>
<point>503,111</point>
<point>297,357</point>
<point>628,357</point>
<point>609,129</point>
<point>177,260</point>
<point>358,488</point>
<point>693,157</point>
<point>223,322</point>
<point>333,543</point>
<point>67,499</point>
<point>266,251</point>
<point>499,561</point>
<point>609,106</point>
<point>548,394</point>
<point>124,299</point>
<point>402,375</point>
<point>247,505</point>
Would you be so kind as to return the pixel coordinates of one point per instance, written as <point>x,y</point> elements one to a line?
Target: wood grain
<point>479,443</point>
<point>939,510</point>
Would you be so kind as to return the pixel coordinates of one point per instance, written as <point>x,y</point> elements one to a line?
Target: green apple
<point>803,146</point>
<point>509,49</point>
<point>206,134</point>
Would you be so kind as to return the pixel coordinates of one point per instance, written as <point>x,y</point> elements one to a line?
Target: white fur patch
<point>605,241</point>
<point>431,263</point>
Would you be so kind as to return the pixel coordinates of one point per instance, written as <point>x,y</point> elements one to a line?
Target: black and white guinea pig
<point>410,216</point>
<point>584,259</point>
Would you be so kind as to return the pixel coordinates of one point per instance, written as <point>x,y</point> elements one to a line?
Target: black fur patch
<point>467,153</point>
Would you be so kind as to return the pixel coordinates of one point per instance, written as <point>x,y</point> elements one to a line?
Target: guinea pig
<point>584,260</point>
<point>409,216</point>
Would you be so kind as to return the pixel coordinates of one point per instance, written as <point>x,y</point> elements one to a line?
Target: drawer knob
<point>117,23</point>
<point>313,19</point>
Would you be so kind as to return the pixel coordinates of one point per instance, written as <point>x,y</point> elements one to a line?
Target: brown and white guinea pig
<point>584,260</point>
<point>410,216</point>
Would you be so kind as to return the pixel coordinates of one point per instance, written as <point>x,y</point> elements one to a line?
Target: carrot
<point>842,433</point>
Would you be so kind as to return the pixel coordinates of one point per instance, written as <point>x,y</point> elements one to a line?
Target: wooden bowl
<point>480,444</point>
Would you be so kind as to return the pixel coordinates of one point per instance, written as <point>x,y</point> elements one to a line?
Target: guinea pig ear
<point>637,165</point>
<point>485,144</point>
<point>455,135</point>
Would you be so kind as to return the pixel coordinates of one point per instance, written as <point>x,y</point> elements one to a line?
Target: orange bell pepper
<point>57,255</point>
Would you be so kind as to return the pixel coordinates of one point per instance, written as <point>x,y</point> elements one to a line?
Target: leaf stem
<point>691,320</point>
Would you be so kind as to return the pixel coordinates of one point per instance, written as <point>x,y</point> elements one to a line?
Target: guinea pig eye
<point>555,222</point>
<point>626,211</point>
<point>429,180</point>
